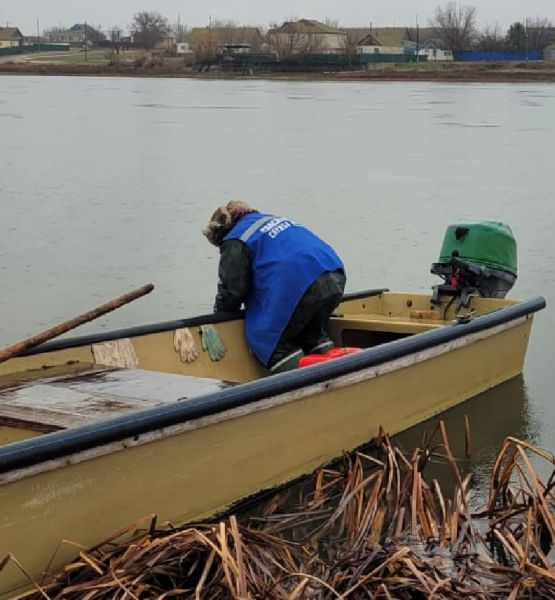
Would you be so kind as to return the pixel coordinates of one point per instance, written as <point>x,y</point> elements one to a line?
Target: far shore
<point>543,71</point>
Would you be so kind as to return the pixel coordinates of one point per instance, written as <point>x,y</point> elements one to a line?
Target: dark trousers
<point>305,333</point>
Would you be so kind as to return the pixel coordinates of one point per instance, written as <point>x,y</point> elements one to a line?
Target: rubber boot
<point>287,363</point>
<point>322,347</point>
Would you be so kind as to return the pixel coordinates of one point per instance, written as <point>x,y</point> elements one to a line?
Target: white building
<point>435,54</point>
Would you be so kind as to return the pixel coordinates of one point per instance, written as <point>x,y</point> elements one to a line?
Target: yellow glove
<point>184,343</point>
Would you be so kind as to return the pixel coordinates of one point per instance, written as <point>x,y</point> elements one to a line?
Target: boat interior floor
<point>77,398</point>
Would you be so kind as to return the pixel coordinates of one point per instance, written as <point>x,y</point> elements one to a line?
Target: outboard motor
<point>476,259</point>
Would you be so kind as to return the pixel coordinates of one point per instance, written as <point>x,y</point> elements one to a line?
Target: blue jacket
<point>286,259</point>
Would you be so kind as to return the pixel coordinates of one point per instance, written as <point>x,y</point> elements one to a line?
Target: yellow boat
<point>88,446</point>
<point>99,431</point>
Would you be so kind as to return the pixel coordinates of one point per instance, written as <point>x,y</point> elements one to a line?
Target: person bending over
<point>288,279</point>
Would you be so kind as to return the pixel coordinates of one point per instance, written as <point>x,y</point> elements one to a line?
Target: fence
<point>308,63</point>
<point>14,50</point>
<point>378,57</point>
<point>498,56</point>
<point>47,47</point>
<point>34,48</point>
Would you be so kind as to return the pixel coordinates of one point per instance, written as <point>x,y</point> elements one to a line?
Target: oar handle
<point>30,342</point>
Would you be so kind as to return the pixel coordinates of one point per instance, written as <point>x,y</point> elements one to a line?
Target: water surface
<point>106,183</point>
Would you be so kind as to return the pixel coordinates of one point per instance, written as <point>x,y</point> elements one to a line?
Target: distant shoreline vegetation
<point>174,67</point>
<point>452,47</point>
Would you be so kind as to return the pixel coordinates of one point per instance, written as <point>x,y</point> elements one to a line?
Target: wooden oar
<point>20,347</point>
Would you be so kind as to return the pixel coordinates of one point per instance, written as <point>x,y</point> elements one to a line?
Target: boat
<point>98,431</point>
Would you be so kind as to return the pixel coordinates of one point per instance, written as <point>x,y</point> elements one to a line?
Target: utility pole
<point>210,35</point>
<point>38,36</point>
<point>417,39</point>
<point>86,42</point>
<point>178,28</point>
<point>526,37</point>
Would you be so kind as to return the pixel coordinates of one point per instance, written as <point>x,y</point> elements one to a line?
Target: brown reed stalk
<point>372,527</point>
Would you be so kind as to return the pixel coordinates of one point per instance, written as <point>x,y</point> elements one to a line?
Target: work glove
<point>212,343</point>
<point>184,343</point>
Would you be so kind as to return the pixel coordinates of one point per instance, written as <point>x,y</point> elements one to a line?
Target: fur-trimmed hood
<point>223,219</point>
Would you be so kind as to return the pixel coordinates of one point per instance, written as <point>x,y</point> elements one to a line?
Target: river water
<point>106,183</point>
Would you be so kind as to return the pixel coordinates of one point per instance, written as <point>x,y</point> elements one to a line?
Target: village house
<point>78,35</point>
<point>306,37</point>
<point>397,41</point>
<point>167,44</point>
<point>425,42</point>
<point>382,40</point>
<point>10,37</point>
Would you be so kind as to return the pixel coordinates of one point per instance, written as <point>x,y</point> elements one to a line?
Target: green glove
<point>212,343</point>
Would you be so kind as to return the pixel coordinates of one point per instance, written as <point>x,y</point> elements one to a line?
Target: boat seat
<point>77,398</point>
<point>372,322</point>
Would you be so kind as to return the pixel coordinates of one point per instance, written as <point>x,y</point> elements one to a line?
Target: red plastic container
<point>315,359</point>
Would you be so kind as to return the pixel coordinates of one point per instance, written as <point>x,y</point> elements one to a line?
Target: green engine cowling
<point>487,243</point>
<point>477,258</point>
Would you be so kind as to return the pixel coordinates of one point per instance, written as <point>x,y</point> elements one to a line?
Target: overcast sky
<point>107,13</point>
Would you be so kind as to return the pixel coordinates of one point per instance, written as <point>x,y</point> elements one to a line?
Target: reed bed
<point>374,527</point>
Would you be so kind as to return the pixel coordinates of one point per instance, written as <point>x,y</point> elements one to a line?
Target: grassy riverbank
<point>136,64</point>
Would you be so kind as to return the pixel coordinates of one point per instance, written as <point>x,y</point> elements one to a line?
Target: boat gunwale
<point>30,452</point>
<point>356,377</point>
<point>136,331</point>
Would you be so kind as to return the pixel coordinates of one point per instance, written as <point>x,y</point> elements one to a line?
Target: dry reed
<point>375,527</point>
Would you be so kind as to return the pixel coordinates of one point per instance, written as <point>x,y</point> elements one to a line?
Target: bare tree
<point>230,32</point>
<point>289,41</point>
<point>310,44</point>
<point>180,30</point>
<point>148,28</point>
<point>114,36</point>
<point>540,33</point>
<point>455,24</point>
<point>284,45</point>
<point>491,38</point>
<point>94,34</point>
<point>349,48</point>
<point>52,34</point>
<point>334,23</point>
<point>226,32</point>
<point>204,44</point>
<point>209,42</point>
<point>255,38</point>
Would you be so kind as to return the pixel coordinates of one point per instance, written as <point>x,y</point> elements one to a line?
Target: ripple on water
<point>175,107</point>
<point>157,105</point>
<point>470,125</point>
